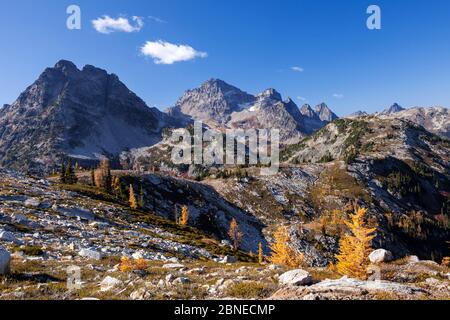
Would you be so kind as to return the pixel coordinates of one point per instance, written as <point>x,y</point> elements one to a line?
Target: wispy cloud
<point>338,95</point>
<point>106,24</point>
<point>297,69</point>
<point>156,19</point>
<point>164,52</point>
<point>301,98</point>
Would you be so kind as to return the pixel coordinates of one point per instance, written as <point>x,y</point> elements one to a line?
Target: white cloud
<point>156,19</point>
<point>297,69</point>
<point>164,52</point>
<point>338,96</point>
<point>301,98</point>
<point>106,24</point>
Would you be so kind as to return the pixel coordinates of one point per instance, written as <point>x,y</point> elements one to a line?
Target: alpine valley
<point>87,180</point>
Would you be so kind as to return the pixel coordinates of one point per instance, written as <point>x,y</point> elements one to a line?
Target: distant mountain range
<point>220,105</point>
<point>86,114</point>
<point>434,119</point>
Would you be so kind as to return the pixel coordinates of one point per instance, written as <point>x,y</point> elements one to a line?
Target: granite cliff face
<point>84,114</point>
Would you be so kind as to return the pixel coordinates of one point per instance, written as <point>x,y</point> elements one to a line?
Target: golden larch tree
<point>282,253</point>
<point>132,198</point>
<point>184,216</point>
<point>116,186</point>
<point>260,253</point>
<point>355,247</point>
<point>102,176</point>
<point>235,234</point>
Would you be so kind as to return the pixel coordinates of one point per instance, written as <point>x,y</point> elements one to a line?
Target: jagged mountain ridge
<point>83,113</point>
<point>220,105</point>
<point>318,117</point>
<point>433,119</point>
<point>88,113</point>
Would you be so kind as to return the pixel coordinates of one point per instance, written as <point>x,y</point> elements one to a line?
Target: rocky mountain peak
<point>82,114</point>
<point>358,114</point>
<point>217,87</point>
<point>219,104</point>
<point>66,66</point>
<point>307,111</point>
<point>214,82</point>
<point>292,108</point>
<point>271,94</point>
<point>393,109</point>
<point>90,69</point>
<point>213,102</point>
<point>325,113</point>
<point>321,107</point>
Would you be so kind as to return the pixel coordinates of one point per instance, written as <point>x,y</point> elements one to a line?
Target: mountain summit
<point>84,114</point>
<point>393,109</point>
<point>221,105</point>
<point>325,113</point>
<point>213,102</point>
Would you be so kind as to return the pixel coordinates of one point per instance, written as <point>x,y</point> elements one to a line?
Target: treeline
<point>67,173</point>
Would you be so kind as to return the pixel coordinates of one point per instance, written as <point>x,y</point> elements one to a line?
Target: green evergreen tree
<point>70,176</point>
<point>62,174</point>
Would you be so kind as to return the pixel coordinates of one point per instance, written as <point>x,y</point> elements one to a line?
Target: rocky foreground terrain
<point>396,169</point>
<point>46,231</point>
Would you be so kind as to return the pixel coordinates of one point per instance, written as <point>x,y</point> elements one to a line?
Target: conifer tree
<point>70,176</point>
<point>116,187</point>
<point>282,253</point>
<point>355,247</point>
<point>235,234</point>
<point>260,253</point>
<point>184,216</point>
<point>141,197</point>
<point>132,199</point>
<point>103,177</point>
<point>93,177</point>
<point>67,174</point>
<point>108,179</point>
<point>62,174</point>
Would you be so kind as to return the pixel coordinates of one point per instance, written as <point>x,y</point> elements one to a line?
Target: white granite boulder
<point>296,277</point>
<point>380,255</point>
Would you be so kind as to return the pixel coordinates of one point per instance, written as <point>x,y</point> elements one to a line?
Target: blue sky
<point>250,44</point>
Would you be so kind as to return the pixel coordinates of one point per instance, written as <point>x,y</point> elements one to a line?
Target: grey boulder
<point>296,277</point>
<point>380,255</point>
<point>5,261</point>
